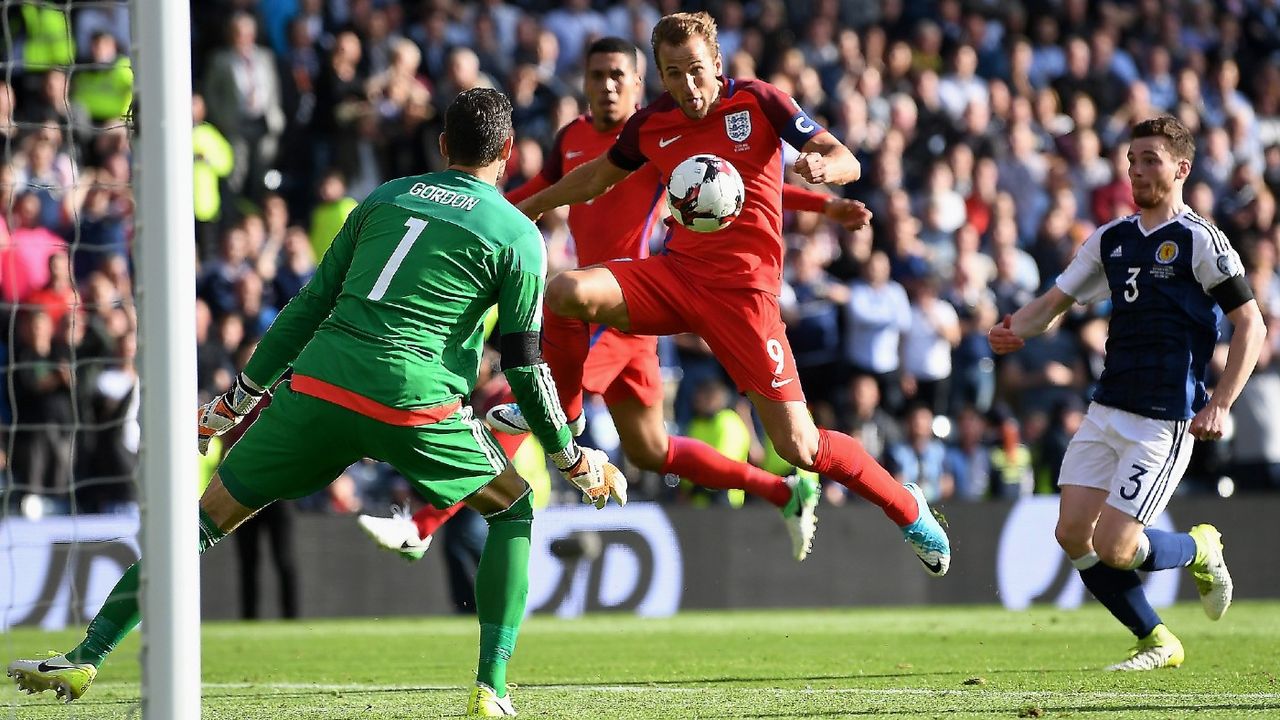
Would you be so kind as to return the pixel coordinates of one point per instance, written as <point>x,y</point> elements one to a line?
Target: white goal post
<point>164,254</point>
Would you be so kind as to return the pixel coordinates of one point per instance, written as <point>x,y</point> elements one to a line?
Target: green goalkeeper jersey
<point>394,316</point>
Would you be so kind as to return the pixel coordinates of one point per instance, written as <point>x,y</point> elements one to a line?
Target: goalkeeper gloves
<point>227,410</point>
<point>591,472</point>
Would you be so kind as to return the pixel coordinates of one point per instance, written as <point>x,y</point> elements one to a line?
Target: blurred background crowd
<point>992,136</point>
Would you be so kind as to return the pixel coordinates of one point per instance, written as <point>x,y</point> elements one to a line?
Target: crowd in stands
<point>992,136</point>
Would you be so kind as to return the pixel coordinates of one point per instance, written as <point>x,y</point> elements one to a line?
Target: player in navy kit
<point>1168,273</point>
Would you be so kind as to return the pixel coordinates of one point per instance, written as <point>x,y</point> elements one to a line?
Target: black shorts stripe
<point>1155,481</point>
<point>1147,512</point>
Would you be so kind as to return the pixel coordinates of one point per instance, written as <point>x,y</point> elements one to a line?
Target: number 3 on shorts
<point>774,348</point>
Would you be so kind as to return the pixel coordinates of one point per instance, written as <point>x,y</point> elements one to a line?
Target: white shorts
<point>1138,460</point>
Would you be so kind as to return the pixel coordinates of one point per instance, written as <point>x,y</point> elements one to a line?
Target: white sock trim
<point>1141,553</point>
<point>1086,561</point>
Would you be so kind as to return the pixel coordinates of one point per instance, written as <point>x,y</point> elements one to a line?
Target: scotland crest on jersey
<point>737,125</point>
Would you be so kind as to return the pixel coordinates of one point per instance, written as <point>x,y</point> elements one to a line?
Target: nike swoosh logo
<point>572,154</point>
<point>663,142</point>
<point>935,567</point>
<point>779,383</point>
<point>45,667</point>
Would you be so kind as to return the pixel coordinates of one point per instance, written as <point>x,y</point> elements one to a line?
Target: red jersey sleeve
<point>626,152</point>
<point>552,170</point>
<point>790,122</point>
<point>795,197</point>
<point>553,165</point>
<point>535,184</point>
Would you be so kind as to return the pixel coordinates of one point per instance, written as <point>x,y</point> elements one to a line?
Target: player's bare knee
<point>797,450</point>
<point>499,494</point>
<point>564,295</point>
<point>1074,538</point>
<point>1115,553</point>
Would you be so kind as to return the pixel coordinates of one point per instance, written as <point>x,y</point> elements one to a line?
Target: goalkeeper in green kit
<point>384,343</point>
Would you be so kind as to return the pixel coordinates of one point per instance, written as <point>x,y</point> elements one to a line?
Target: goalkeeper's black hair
<point>476,125</point>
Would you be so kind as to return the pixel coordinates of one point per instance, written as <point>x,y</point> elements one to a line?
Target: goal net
<point>88,213</point>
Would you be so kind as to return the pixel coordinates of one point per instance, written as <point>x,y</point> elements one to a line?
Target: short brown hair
<point>677,28</point>
<point>1176,136</point>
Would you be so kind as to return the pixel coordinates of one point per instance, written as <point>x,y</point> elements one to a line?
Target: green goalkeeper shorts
<point>300,444</point>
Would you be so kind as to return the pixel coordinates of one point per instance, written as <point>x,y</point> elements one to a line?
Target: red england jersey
<point>746,128</point>
<point>618,223</point>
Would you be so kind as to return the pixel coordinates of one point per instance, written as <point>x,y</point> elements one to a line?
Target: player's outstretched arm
<point>824,159</point>
<point>1248,333</point>
<point>851,214</point>
<point>536,184</point>
<point>585,182</point>
<point>1032,320</point>
<point>282,342</point>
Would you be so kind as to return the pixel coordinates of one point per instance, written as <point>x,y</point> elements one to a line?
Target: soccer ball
<point>705,193</point>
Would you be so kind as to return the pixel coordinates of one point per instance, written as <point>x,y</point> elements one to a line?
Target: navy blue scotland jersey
<point>1164,320</point>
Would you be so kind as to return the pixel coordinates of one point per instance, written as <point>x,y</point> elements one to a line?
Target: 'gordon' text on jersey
<point>443,196</point>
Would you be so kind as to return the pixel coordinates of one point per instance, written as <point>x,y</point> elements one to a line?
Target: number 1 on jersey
<point>416,226</point>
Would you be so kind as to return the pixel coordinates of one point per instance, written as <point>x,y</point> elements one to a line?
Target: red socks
<point>842,459</point>
<point>702,464</point>
<point>429,519</point>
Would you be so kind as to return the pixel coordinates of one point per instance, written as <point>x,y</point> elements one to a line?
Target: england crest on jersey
<point>737,125</point>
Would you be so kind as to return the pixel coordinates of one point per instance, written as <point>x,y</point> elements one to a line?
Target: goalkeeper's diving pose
<point>385,342</point>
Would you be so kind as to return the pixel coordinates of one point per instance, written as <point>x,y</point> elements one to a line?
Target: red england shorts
<point>743,326</point>
<point>621,366</point>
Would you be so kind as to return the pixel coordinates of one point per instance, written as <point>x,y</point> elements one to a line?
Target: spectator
<point>968,460</point>
<point>920,458</point>
<point>105,89</point>
<point>328,216</point>
<point>811,305</point>
<point>49,174</point>
<point>341,103</point>
<point>58,296</point>
<point>243,94</point>
<point>878,314</point>
<point>25,260</point>
<point>574,25</point>
<point>718,425</point>
<point>217,283</point>
<point>42,399</point>
<point>297,266</point>
<point>1067,418</point>
<point>214,367</point>
<point>933,331</point>
<point>962,87</point>
<point>113,452</point>
<point>1011,462</point>
<point>214,161</point>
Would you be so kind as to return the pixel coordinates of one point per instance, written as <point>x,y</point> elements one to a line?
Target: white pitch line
<point>1009,694</point>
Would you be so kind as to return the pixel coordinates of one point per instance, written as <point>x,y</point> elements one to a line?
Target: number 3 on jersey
<point>416,226</point>
<point>1131,285</point>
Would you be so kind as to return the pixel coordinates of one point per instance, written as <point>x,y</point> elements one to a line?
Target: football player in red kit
<point>621,367</point>
<point>723,286</point>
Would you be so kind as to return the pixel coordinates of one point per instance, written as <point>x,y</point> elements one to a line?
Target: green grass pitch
<point>925,662</point>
